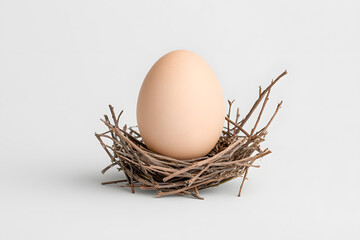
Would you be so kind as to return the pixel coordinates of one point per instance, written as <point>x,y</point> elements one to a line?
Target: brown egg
<point>181,108</point>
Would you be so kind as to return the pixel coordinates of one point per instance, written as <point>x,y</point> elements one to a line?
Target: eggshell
<point>180,108</point>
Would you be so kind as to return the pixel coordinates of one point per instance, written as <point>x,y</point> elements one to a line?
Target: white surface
<point>62,62</point>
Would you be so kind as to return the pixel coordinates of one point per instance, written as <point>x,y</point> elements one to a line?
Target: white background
<point>63,62</point>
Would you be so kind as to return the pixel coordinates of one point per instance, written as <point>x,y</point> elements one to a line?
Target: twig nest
<point>233,155</point>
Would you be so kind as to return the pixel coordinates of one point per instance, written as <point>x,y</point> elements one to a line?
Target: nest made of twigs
<point>233,155</point>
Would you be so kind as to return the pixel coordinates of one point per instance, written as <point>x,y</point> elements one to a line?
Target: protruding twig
<point>113,182</point>
<point>261,97</point>
<point>228,116</point>
<point>243,181</point>
<point>261,111</point>
<point>238,126</point>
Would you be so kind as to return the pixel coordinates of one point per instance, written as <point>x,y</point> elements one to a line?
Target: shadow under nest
<point>233,155</point>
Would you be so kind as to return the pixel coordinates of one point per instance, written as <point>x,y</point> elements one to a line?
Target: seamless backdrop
<point>63,62</point>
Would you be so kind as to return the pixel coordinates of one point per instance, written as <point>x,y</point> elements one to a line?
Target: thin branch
<point>243,181</point>
<point>260,98</point>
<point>261,111</point>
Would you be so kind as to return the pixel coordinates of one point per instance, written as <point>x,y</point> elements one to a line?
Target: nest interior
<point>233,155</point>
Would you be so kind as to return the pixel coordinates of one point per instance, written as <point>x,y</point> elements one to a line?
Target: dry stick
<point>165,186</point>
<point>272,118</point>
<point>108,167</point>
<point>129,186</point>
<point>113,116</point>
<point>228,115</point>
<point>259,91</point>
<point>247,165</point>
<point>196,191</point>
<point>261,97</point>
<point>108,121</point>
<point>118,118</point>
<point>131,179</point>
<point>238,126</point>
<point>113,182</point>
<point>105,132</point>
<point>261,111</point>
<point>242,183</point>
<point>236,120</point>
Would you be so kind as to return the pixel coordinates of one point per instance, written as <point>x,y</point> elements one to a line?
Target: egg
<point>181,108</point>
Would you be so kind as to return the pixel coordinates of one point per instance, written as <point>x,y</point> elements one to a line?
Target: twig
<point>113,182</point>
<point>261,97</point>
<point>243,181</point>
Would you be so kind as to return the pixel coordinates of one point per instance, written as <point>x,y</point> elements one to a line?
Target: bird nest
<point>232,156</point>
